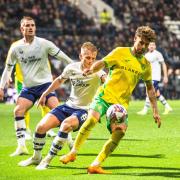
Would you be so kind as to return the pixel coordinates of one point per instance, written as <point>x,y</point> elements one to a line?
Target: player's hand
<point>87,72</point>
<point>165,80</point>
<point>157,119</point>
<point>1,94</point>
<point>41,100</point>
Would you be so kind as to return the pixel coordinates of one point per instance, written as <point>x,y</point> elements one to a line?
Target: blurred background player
<point>71,115</point>
<point>44,109</point>
<point>127,66</point>
<point>31,53</point>
<point>156,59</point>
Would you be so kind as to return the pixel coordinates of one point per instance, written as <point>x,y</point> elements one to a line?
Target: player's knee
<point>121,128</point>
<point>41,128</point>
<point>19,111</point>
<point>66,127</point>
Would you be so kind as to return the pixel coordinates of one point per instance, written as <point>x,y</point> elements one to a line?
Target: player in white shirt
<point>71,115</point>
<point>31,53</point>
<point>156,59</point>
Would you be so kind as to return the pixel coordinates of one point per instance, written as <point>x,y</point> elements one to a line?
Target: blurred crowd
<point>68,27</point>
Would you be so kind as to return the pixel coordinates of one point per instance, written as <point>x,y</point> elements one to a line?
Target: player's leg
<point>27,122</point>
<point>48,122</point>
<point>144,111</point>
<point>163,101</point>
<point>118,131</point>
<point>98,109</point>
<point>69,124</point>
<point>44,111</point>
<point>18,86</point>
<point>83,134</point>
<point>22,105</point>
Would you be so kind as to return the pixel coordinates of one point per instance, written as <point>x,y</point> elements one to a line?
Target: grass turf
<point>146,152</point>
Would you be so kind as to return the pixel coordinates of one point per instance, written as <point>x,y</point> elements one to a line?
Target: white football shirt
<point>83,88</point>
<point>33,60</point>
<point>155,58</point>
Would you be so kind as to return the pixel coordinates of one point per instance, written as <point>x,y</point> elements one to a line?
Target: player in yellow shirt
<point>127,66</point>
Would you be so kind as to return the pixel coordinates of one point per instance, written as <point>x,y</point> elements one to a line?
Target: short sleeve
<point>53,50</point>
<point>160,57</point>
<point>66,72</point>
<point>11,57</point>
<point>110,59</point>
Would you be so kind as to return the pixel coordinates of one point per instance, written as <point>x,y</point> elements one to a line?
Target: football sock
<point>39,142</point>
<point>147,104</point>
<point>27,119</point>
<point>163,101</point>
<point>58,143</point>
<point>84,132</point>
<point>20,128</point>
<point>108,147</point>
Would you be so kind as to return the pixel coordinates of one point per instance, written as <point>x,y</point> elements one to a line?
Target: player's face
<point>87,57</point>
<point>140,45</point>
<point>152,46</point>
<point>28,28</point>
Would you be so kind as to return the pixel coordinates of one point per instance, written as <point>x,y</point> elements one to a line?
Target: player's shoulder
<point>74,65</point>
<point>146,61</point>
<point>17,43</point>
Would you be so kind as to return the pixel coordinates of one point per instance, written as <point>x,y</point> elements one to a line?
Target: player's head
<point>152,46</point>
<point>143,36</point>
<point>28,26</point>
<point>88,54</point>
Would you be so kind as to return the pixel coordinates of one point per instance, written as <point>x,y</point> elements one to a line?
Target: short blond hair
<point>26,18</point>
<point>90,46</point>
<point>146,33</point>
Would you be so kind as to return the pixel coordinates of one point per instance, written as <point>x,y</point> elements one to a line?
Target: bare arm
<point>55,84</point>
<point>165,78</point>
<point>5,77</point>
<point>152,97</point>
<point>98,65</point>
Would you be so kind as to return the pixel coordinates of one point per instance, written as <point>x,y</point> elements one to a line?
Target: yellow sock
<point>109,146</point>
<point>44,110</point>
<point>27,119</point>
<point>84,132</point>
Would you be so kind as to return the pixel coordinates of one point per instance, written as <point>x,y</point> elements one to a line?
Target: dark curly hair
<point>146,33</point>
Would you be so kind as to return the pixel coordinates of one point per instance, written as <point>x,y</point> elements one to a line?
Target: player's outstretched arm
<point>152,97</point>
<point>54,85</point>
<point>97,66</point>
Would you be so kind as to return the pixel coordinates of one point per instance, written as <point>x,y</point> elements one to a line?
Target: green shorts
<point>18,86</point>
<point>101,106</point>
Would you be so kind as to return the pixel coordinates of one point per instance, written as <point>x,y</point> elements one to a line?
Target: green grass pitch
<point>146,152</point>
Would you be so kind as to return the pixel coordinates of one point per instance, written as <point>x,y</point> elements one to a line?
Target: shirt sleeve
<point>10,62</point>
<point>160,57</point>
<point>66,73</point>
<point>11,57</point>
<point>110,59</point>
<point>147,75</point>
<point>54,51</point>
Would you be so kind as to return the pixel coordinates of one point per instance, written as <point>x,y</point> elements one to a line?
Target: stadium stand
<point>66,25</point>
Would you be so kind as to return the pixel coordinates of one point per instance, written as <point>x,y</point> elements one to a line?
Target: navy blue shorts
<point>35,92</point>
<point>156,85</point>
<point>64,111</point>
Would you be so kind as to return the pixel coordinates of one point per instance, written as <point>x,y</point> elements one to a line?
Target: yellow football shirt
<point>125,71</point>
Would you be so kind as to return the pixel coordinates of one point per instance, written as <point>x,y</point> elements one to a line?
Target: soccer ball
<point>116,113</point>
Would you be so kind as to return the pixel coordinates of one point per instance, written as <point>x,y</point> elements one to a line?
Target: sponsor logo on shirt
<point>77,82</point>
